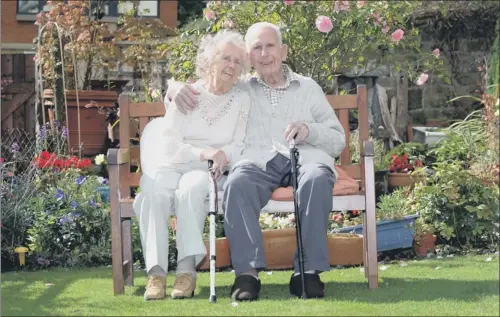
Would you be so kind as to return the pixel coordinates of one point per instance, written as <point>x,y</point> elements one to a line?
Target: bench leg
<point>371,226</point>
<point>365,246</point>
<point>128,267</point>
<point>116,231</point>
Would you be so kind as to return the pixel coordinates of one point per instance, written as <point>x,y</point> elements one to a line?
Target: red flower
<point>2,160</point>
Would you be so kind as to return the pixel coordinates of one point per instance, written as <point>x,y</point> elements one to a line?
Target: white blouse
<point>218,122</point>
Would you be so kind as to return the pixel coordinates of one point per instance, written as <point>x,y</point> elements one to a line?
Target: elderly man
<point>284,105</point>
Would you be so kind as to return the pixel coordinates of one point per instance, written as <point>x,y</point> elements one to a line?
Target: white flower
<point>99,159</point>
<point>283,222</point>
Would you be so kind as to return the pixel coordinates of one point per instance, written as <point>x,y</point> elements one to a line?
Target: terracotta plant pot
<point>222,256</point>
<point>345,249</point>
<point>403,179</point>
<point>93,124</point>
<point>280,246</point>
<point>424,244</point>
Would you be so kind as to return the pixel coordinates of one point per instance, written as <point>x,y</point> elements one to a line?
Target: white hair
<point>209,50</point>
<point>256,27</point>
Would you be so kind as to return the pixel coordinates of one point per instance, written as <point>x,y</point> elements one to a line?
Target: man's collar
<point>288,74</point>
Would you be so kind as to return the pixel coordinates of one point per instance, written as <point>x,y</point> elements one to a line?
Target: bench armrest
<point>368,149</point>
<point>118,156</point>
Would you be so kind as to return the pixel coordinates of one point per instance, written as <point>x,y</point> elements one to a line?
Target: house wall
<point>23,32</point>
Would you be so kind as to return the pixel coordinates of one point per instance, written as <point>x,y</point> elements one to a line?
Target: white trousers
<point>179,190</point>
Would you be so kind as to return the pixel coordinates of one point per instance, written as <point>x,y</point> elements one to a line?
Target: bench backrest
<point>144,112</point>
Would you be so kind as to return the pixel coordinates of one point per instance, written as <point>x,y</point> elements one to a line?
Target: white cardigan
<point>182,137</point>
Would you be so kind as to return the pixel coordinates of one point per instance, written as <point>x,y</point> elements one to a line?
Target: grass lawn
<point>462,285</point>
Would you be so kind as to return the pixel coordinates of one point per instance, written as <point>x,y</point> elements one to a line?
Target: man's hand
<point>296,128</point>
<point>183,95</point>
<point>218,156</point>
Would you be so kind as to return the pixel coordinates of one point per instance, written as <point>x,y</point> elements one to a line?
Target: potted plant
<point>407,165</point>
<point>395,222</point>
<point>280,243</point>
<point>424,238</point>
<point>75,48</point>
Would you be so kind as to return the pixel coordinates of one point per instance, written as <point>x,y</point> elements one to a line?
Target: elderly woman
<point>174,154</point>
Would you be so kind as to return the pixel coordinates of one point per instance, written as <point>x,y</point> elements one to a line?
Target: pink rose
<point>324,24</point>
<point>209,14</point>
<point>422,79</point>
<point>436,52</point>
<point>397,35</point>
<point>288,2</point>
<point>360,4</point>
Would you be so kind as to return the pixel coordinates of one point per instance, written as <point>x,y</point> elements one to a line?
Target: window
<point>31,6</point>
<point>147,8</point>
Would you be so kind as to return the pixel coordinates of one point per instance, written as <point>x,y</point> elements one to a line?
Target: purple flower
<point>80,180</point>
<point>65,219</point>
<point>74,204</point>
<point>92,202</point>
<point>64,133</point>
<point>57,124</point>
<point>59,194</point>
<point>42,133</point>
<point>15,148</point>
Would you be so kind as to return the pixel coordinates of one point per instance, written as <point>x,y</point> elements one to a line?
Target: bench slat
<point>146,109</point>
<point>343,101</point>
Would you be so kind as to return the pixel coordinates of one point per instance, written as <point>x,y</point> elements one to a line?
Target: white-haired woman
<point>174,154</point>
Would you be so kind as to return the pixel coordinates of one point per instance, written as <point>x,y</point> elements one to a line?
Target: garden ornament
<point>21,251</point>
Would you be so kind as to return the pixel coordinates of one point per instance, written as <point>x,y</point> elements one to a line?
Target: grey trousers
<point>248,189</point>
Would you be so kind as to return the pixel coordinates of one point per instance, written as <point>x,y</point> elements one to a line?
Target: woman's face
<point>227,65</point>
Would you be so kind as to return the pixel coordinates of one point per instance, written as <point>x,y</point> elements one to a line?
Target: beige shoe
<point>155,289</point>
<point>184,286</point>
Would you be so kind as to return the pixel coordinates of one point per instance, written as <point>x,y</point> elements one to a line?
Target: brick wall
<point>14,31</point>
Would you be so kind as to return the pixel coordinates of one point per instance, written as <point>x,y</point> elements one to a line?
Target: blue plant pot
<point>104,192</point>
<point>391,234</point>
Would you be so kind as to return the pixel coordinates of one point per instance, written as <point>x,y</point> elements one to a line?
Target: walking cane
<point>212,211</point>
<point>294,155</point>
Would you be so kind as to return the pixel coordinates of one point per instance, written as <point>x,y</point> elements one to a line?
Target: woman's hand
<point>219,158</point>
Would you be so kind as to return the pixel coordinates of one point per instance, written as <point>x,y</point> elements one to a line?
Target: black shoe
<point>314,287</point>
<point>245,288</point>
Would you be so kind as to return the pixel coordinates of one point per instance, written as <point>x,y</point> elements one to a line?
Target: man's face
<point>266,53</point>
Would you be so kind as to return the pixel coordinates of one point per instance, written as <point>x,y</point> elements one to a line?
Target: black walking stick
<point>294,155</point>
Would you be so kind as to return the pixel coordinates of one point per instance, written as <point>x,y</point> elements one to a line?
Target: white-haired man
<point>284,105</point>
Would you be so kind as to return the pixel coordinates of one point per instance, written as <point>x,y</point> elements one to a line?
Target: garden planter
<point>425,244</point>
<point>403,179</point>
<point>280,246</point>
<point>391,234</point>
<point>93,124</point>
<point>222,256</point>
<point>345,249</point>
<point>428,135</point>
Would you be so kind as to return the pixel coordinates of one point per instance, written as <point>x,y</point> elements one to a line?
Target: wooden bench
<point>122,181</point>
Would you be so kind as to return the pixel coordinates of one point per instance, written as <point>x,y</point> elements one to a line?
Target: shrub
<point>324,37</point>
<point>71,225</point>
